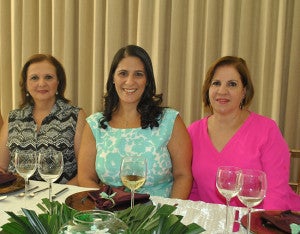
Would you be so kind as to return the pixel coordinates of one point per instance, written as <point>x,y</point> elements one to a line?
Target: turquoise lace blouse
<point>113,144</point>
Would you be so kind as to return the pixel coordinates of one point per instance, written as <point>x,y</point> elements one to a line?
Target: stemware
<point>228,184</point>
<point>50,167</point>
<point>94,221</point>
<point>25,164</point>
<point>253,190</point>
<point>133,174</point>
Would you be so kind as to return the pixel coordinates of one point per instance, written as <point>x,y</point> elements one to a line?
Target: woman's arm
<point>276,164</point>
<point>180,149</point>
<point>4,151</point>
<point>77,140</point>
<point>87,176</point>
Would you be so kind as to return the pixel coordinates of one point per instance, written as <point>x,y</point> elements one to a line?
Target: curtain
<point>183,37</point>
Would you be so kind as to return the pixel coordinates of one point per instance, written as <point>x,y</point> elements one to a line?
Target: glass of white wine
<point>253,190</point>
<point>50,167</point>
<point>25,164</point>
<point>228,182</point>
<point>133,173</point>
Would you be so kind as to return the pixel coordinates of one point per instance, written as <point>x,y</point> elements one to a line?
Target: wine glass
<point>50,167</point>
<point>25,164</point>
<point>133,174</point>
<point>228,184</point>
<point>253,190</point>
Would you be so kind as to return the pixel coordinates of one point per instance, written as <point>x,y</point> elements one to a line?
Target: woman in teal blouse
<point>133,123</point>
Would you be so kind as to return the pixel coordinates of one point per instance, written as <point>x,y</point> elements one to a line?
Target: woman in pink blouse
<point>234,136</point>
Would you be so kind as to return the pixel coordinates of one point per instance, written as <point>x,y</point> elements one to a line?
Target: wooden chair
<point>295,170</point>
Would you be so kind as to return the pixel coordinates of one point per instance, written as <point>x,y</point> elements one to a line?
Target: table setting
<point>18,195</point>
<point>209,216</point>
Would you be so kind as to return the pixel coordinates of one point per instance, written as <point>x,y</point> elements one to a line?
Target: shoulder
<point>93,119</point>
<point>168,117</point>
<point>64,106</point>
<point>169,113</point>
<point>198,123</point>
<point>95,116</point>
<point>262,121</point>
<point>20,113</point>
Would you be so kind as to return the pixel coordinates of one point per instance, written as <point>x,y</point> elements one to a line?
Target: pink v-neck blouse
<point>258,144</point>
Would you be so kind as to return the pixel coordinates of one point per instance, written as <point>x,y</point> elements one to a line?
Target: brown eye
<point>139,74</point>
<point>232,84</point>
<point>48,77</point>
<point>122,73</point>
<point>215,83</point>
<point>34,78</point>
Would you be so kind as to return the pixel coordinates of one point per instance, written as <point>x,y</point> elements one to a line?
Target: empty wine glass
<point>253,190</point>
<point>25,164</point>
<point>228,184</point>
<point>133,174</point>
<point>50,167</point>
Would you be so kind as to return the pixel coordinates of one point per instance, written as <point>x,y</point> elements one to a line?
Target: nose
<point>222,89</point>
<point>41,82</point>
<point>130,79</point>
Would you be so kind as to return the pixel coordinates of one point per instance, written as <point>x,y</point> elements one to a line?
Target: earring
<point>27,94</point>
<point>56,93</point>
<point>242,104</point>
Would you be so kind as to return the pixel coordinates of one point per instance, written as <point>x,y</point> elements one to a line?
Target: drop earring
<point>27,94</point>
<point>56,93</point>
<point>242,104</point>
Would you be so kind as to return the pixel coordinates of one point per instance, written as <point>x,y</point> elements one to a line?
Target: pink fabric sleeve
<point>276,163</point>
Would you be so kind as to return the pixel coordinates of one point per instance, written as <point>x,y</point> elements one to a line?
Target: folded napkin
<point>295,228</point>
<point>108,197</point>
<point>281,220</point>
<point>7,179</point>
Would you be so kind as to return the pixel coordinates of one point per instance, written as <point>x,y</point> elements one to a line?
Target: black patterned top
<point>57,132</point>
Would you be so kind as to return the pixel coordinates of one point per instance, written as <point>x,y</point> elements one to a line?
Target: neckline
<point>233,138</point>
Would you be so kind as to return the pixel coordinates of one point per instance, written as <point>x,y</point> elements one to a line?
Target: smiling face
<point>226,91</point>
<point>130,80</point>
<point>42,81</point>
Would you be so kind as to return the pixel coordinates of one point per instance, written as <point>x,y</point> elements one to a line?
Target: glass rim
<point>106,213</point>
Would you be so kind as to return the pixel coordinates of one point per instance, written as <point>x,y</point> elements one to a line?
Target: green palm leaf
<point>142,219</point>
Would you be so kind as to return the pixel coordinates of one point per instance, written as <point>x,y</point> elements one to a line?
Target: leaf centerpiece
<point>142,219</point>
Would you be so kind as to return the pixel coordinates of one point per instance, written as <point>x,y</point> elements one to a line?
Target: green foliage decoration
<point>142,219</point>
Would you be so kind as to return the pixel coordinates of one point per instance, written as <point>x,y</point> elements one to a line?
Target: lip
<point>129,91</point>
<point>222,100</point>
<point>42,91</point>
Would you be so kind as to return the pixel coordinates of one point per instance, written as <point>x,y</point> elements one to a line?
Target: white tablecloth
<point>209,216</point>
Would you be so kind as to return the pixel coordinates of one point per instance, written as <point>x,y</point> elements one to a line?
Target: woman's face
<point>42,81</point>
<point>226,91</point>
<point>130,80</point>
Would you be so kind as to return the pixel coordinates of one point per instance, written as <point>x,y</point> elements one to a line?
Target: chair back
<point>295,170</point>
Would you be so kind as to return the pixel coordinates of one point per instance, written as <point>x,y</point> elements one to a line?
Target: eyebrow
<point>213,79</point>
<point>128,70</point>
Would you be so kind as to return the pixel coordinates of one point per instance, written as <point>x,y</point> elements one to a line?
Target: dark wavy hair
<point>60,73</point>
<point>150,104</point>
<point>241,66</point>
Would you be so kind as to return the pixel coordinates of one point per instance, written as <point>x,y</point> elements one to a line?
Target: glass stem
<point>50,191</point>
<point>227,213</point>
<point>132,199</point>
<point>249,220</point>
<point>26,186</point>
<point>26,192</point>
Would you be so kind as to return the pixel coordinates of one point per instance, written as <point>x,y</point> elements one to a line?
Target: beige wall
<point>182,36</point>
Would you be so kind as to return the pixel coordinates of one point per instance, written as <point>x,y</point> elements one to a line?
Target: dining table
<point>209,216</point>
